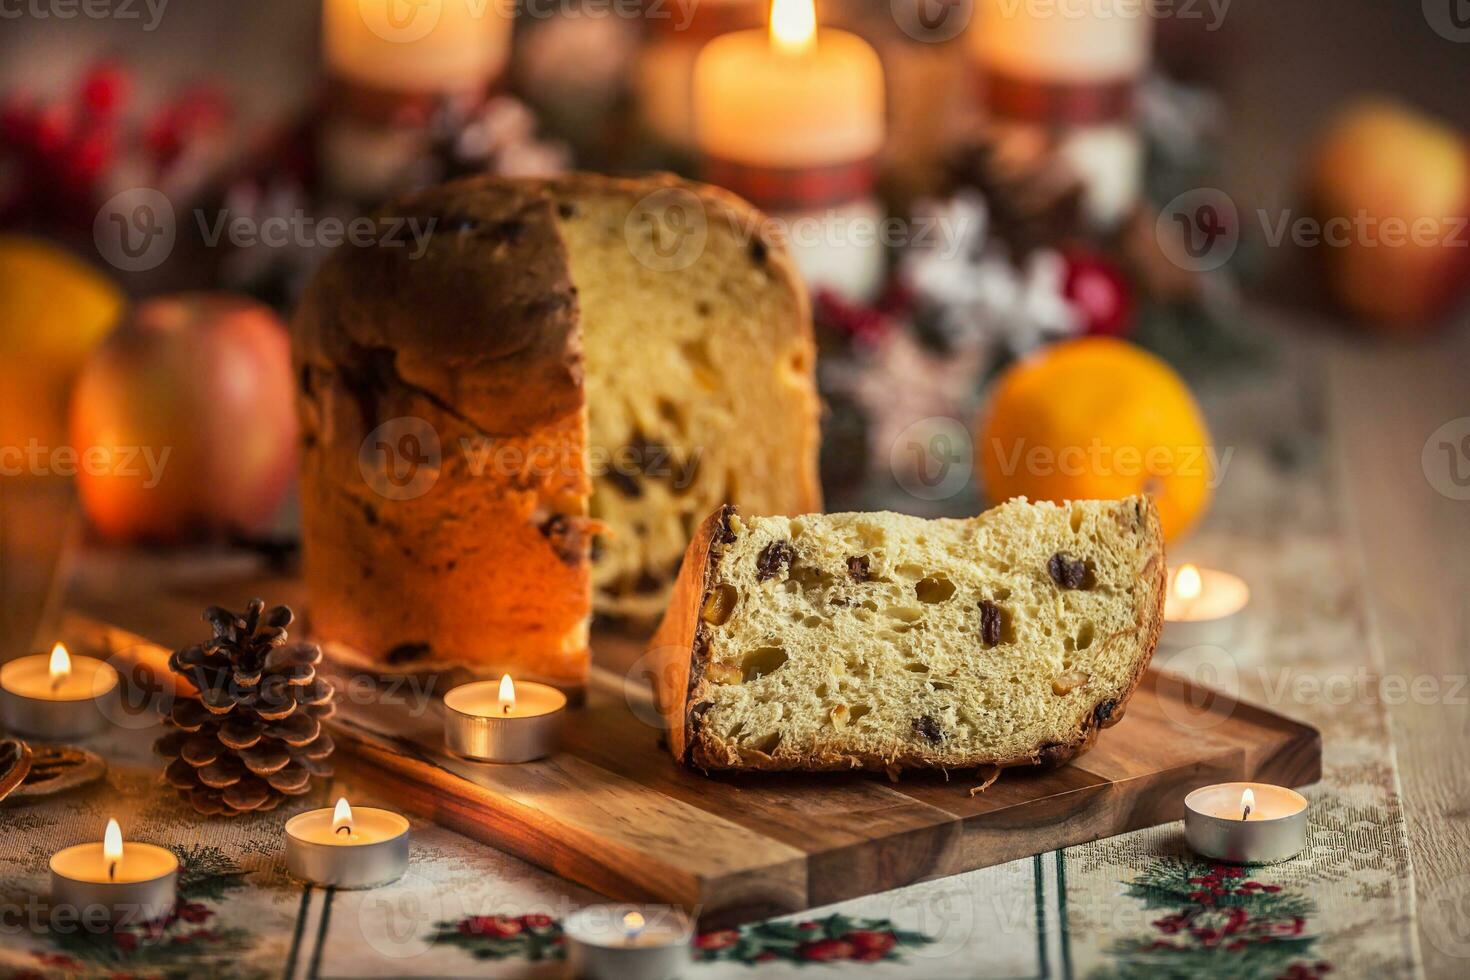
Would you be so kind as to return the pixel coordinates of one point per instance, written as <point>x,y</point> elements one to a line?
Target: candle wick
<point>1246,814</point>
<point>505,708</point>
<point>112,871</point>
<point>344,829</point>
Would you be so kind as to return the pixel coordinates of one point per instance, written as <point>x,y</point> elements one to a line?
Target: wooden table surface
<point>1383,400</point>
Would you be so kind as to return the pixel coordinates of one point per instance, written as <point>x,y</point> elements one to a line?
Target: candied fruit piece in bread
<point>886,642</point>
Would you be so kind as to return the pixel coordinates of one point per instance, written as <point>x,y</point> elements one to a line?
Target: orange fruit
<point>54,308</point>
<point>1097,418</point>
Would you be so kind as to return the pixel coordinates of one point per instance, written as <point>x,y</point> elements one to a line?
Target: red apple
<point>1392,189</point>
<point>183,420</point>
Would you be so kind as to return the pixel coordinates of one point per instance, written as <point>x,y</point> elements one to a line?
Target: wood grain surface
<point>611,810</point>
<point>614,812</point>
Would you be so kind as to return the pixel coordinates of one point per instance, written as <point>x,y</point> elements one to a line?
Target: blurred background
<point>979,179</point>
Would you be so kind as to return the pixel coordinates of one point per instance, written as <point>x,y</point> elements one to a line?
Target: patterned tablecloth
<point>1134,905</point>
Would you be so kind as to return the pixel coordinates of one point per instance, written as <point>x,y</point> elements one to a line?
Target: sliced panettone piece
<point>883,641</point>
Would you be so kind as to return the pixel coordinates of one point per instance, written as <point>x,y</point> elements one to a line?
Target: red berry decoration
<point>89,158</point>
<point>54,127</point>
<point>871,944</point>
<point>1100,293</point>
<point>18,119</point>
<point>863,324</point>
<point>105,89</point>
<point>826,950</point>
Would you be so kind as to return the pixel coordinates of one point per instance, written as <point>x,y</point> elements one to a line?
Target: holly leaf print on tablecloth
<point>837,938</point>
<point>189,942</point>
<point>1220,920</point>
<point>497,937</point>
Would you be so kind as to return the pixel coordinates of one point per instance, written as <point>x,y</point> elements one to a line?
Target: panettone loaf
<point>886,642</point>
<point>557,389</point>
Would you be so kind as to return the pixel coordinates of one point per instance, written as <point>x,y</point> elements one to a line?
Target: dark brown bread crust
<point>456,338</point>
<point>681,647</point>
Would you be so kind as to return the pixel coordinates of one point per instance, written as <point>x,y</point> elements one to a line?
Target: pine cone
<point>252,736</point>
<point>1034,201</point>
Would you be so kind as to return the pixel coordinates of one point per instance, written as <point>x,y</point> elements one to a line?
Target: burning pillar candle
<point>1059,83</point>
<point>345,847</point>
<point>792,120</point>
<point>503,721</point>
<point>133,882</point>
<point>57,696</point>
<point>1246,823</point>
<point>626,943</point>
<point>664,74</point>
<point>1203,606</point>
<point>391,67</point>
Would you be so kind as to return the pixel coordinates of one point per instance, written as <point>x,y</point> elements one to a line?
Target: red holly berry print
<point>1216,911</point>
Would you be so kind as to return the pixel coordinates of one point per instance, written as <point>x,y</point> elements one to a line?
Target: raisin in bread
<point>886,642</point>
<point>560,383</point>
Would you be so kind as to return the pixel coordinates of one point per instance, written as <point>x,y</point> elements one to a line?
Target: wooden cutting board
<point>614,812</point>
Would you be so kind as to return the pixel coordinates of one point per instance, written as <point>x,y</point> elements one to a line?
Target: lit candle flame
<point>112,849</point>
<point>793,26</point>
<point>633,923</point>
<point>1187,583</point>
<point>507,694</point>
<point>342,817</point>
<point>60,665</point>
<point>1247,804</point>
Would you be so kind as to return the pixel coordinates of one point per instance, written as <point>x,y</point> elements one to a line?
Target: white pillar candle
<point>1066,73</point>
<point>1078,41</point>
<point>1203,606</point>
<point>56,696</point>
<point>1246,823</point>
<point>346,846</point>
<point>503,721</point>
<point>792,119</point>
<point>393,67</point>
<point>664,73</point>
<point>626,942</point>
<point>121,882</point>
<point>442,47</point>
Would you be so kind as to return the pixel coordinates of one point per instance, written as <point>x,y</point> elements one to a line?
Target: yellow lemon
<point>54,309</point>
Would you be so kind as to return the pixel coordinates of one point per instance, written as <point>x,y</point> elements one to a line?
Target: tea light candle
<point>792,119</point>
<point>628,943</point>
<point>347,848</point>
<point>503,721</point>
<point>57,696</point>
<point>132,882</point>
<point>1203,606</point>
<point>1246,823</point>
